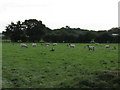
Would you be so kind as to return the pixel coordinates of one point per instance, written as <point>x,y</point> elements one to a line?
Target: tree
<point>89,35</point>
<point>29,30</point>
<point>13,31</point>
<point>35,30</point>
<point>81,38</point>
<point>106,37</point>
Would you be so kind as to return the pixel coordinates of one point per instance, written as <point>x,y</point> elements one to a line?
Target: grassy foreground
<point>38,67</point>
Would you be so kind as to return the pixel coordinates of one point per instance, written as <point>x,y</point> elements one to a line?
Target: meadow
<point>38,67</point>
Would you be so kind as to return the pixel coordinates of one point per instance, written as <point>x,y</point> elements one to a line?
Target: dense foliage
<point>33,30</point>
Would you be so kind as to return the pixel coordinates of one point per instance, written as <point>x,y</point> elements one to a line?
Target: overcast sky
<point>85,14</point>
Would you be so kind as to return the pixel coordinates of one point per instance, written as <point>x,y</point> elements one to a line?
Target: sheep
<point>96,43</point>
<point>91,47</point>
<point>54,44</point>
<point>52,49</point>
<point>47,44</point>
<point>34,44</point>
<point>72,46</point>
<point>23,45</point>
<point>107,46</point>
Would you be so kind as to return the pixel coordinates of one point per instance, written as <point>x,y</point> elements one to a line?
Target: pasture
<point>38,67</point>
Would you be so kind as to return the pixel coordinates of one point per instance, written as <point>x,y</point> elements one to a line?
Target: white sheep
<point>23,45</point>
<point>72,46</point>
<point>47,44</point>
<point>91,47</point>
<point>96,43</point>
<point>34,44</point>
<point>54,44</point>
<point>107,46</point>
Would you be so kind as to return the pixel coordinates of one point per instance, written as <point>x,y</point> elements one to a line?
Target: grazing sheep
<point>54,44</point>
<point>47,44</point>
<point>52,49</point>
<point>72,46</point>
<point>91,47</point>
<point>23,45</point>
<point>96,43</point>
<point>107,46</point>
<point>34,44</point>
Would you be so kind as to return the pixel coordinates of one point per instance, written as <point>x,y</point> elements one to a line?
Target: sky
<point>85,14</point>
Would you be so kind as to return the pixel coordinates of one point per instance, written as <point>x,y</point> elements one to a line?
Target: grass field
<point>38,67</point>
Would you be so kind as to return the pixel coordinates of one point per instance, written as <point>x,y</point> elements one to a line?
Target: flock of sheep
<point>90,48</point>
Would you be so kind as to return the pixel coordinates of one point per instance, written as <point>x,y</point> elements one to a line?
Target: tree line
<point>33,30</point>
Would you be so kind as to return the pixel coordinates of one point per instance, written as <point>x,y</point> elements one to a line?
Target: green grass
<point>0,65</point>
<point>30,68</point>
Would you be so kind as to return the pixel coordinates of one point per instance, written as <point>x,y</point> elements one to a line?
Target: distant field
<point>38,67</point>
